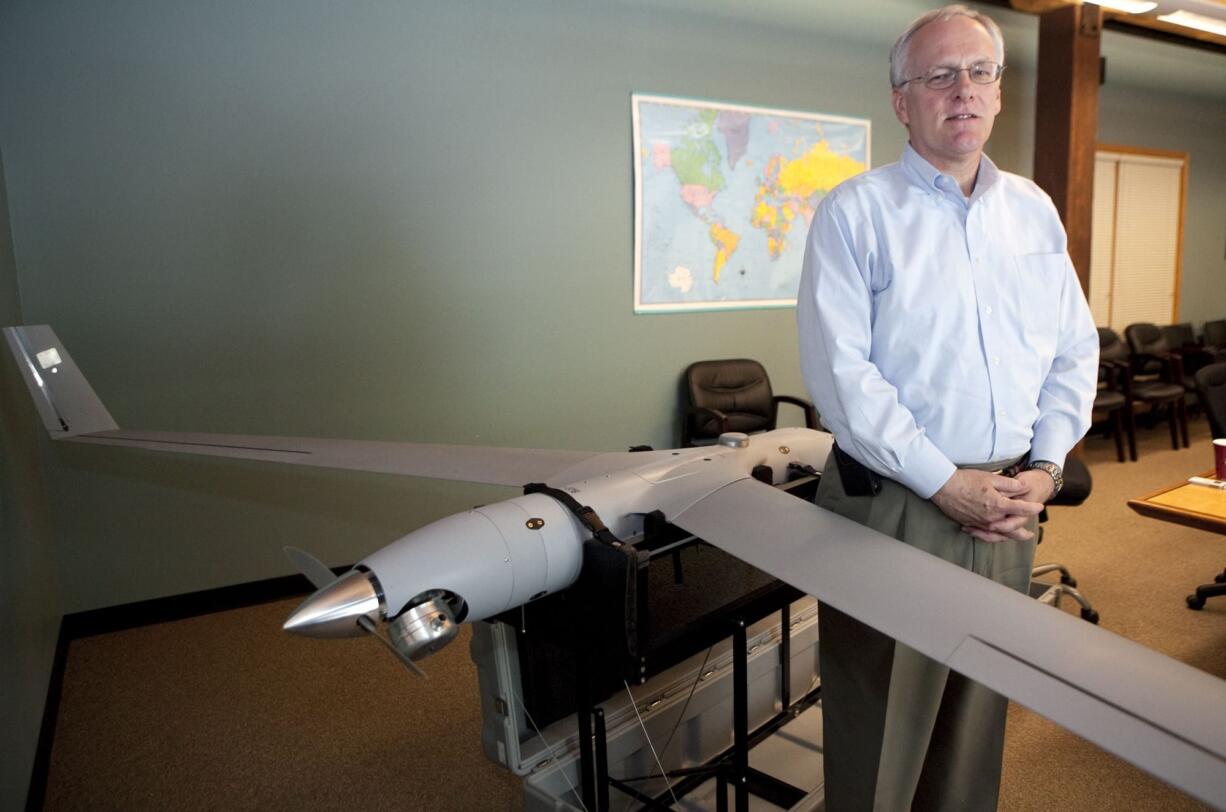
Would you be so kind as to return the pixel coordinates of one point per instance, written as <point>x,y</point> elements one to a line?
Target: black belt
<point>1012,470</point>
<point>860,480</point>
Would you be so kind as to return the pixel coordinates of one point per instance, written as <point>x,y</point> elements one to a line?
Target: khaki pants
<point>900,730</point>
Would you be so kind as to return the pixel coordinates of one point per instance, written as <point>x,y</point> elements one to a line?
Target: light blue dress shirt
<point>939,330</point>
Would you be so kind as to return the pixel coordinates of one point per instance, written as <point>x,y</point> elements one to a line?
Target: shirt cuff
<point>927,471</point>
<point>1045,447</point>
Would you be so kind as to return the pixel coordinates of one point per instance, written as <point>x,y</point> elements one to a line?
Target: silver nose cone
<point>334,610</point>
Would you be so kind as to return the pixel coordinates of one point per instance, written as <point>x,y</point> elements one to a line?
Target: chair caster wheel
<point>1196,602</point>
<point>1090,615</point>
<point>1069,580</point>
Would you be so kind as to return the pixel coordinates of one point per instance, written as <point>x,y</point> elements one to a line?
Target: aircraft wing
<point>71,410</point>
<point>1159,714</point>
<point>481,464</point>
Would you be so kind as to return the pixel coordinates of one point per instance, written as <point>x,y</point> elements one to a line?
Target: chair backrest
<point>739,387</point>
<point>1111,347</point>
<point>1179,335</point>
<point>1145,338</point>
<point>1215,333</point>
<point>1077,483</point>
<point>1211,391</point>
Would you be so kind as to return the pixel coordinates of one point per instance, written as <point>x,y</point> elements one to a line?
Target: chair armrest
<point>701,411</point>
<point>805,405</point>
<point>1172,366</point>
<point>1176,368</point>
<point>1113,374</point>
<point>1194,357</point>
<point>1122,372</point>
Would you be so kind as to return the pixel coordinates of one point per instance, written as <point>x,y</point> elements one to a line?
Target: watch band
<point>1053,470</point>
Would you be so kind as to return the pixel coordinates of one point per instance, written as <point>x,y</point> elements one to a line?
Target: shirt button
<point>988,310</point>
<point>996,359</point>
<point>1000,412</point>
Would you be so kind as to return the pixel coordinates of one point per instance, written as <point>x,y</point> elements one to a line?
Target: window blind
<point>1135,256</point>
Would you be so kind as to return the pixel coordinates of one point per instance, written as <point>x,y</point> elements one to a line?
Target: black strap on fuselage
<point>591,520</point>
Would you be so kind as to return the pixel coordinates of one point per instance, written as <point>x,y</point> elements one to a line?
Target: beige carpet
<point>226,712</point>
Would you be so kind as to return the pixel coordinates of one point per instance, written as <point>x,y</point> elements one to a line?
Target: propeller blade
<point>369,625</point>
<point>311,567</point>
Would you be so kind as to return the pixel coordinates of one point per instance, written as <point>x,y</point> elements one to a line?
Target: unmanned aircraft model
<point>1163,716</point>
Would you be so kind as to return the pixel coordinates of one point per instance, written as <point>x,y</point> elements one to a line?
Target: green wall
<point>375,220</point>
<point>30,598</point>
<point>397,220</point>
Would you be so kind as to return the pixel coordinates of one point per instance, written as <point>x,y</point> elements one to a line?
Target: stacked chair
<point>1214,339</point>
<point>1180,339</point>
<point>1114,398</point>
<point>1179,336</point>
<point>1153,356</point>
<point>1156,373</point>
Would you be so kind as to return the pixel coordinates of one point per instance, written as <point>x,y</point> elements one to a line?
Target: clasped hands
<point>993,507</point>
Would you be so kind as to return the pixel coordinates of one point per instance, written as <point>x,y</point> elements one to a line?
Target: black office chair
<point>1214,338</point>
<point>1211,387</point>
<point>1157,355</point>
<point>1179,335</point>
<point>1077,486</point>
<point>1153,356</point>
<point>732,395</point>
<point>1157,392</point>
<point>1114,401</point>
<point>1181,339</point>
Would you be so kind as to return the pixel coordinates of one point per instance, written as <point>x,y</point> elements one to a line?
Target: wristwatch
<point>1053,470</point>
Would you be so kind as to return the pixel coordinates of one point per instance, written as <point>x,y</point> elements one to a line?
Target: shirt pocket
<point>1039,283</point>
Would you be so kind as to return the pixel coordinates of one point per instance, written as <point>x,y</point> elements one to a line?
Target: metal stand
<point>602,762</point>
<point>606,630</point>
<point>587,781</point>
<point>729,768</point>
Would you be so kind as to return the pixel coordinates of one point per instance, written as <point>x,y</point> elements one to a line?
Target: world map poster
<point>723,198</point>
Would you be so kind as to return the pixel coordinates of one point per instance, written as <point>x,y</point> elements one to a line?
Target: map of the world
<point>724,195</point>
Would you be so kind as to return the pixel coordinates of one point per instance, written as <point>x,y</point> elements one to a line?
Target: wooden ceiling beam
<point>1142,25</point>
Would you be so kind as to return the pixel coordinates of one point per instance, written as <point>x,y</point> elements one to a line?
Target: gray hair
<point>902,46</point>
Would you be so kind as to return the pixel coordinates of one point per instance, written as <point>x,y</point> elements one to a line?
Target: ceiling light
<point>1127,6</point>
<point>1186,18</point>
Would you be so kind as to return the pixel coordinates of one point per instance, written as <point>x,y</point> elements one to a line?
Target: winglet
<point>66,402</point>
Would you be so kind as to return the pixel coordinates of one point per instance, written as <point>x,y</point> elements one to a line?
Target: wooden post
<point>1066,121</point>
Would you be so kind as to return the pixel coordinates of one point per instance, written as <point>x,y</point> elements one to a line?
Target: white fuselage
<point>503,555</point>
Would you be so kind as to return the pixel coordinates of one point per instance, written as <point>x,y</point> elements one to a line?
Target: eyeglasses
<point>944,76</point>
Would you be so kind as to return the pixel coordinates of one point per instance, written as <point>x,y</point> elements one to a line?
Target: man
<point>947,344</point>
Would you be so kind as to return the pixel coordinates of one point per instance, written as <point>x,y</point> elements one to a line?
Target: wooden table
<point>1196,506</point>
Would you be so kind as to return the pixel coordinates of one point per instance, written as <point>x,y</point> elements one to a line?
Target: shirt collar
<point>932,179</point>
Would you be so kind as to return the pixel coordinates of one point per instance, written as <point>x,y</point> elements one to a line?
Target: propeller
<point>311,567</point>
<point>369,625</point>
<point>320,576</point>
